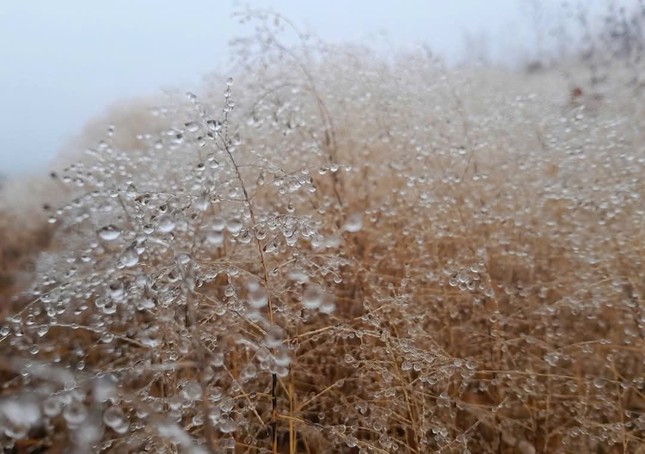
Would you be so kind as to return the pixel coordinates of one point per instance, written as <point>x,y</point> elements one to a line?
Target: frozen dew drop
<point>191,126</point>
<point>216,393</point>
<point>105,387</point>
<point>352,441</point>
<point>197,420</point>
<point>218,224</point>
<point>114,418</point>
<point>191,391</point>
<point>146,303</point>
<point>227,425</point>
<point>203,201</point>
<point>312,297</point>
<point>42,330</point>
<point>260,233</point>
<point>227,404</point>
<point>218,360</point>
<point>109,233</point>
<point>116,290</point>
<point>183,258</point>
<point>234,225</point>
<point>89,433</point>
<point>599,382</point>
<point>129,258</point>
<point>166,224</point>
<point>214,125</point>
<point>178,139</point>
<point>141,281</point>
<point>552,358</point>
<point>258,297</point>
<point>214,415</point>
<point>249,372</point>
<point>18,416</point>
<point>354,223</point>
<point>215,238</point>
<point>244,237</point>
<point>274,336</point>
<point>109,308</point>
<point>75,413</point>
<point>52,406</point>
<point>282,358</point>
<point>270,247</point>
<point>327,307</point>
<point>298,275</point>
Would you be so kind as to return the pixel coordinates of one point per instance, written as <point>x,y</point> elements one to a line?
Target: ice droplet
<point>191,391</point>
<point>274,336</point>
<point>215,238</point>
<point>18,416</point>
<point>227,425</point>
<point>327,307</point>
<point>146,303</point>
<point>312,298</point>
<point>214,125</point>
<point>192,126</point>
<point>234,225</point>
<point>116,290</point>
<point>218,224</point>
<point>354,223</point>
<point>258,296</point>
<point>166,224</point>
<point>129,258</point>
<point>114,418</point>
<point>203,201</point>
<point>52,406</point>
<point>105,387</point>
<point>109,232</point>
<point>75,413</point>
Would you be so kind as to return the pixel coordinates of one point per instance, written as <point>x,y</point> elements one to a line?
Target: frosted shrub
<point>342,254</point>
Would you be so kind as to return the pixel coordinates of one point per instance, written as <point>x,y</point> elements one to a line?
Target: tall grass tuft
<point>339,252</point>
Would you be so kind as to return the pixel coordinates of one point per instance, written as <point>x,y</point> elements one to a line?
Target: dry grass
<point>387,258</point>
<point>24,232</point>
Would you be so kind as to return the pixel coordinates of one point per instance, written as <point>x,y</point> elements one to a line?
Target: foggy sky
<point>62,62</point>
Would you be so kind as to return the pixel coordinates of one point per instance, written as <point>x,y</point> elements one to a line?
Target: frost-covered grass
<point>337,253</point>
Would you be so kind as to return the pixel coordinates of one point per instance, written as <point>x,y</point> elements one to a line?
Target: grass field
<point>335,252</point>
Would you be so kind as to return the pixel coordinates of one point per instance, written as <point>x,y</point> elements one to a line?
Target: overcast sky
<point>64,61</point>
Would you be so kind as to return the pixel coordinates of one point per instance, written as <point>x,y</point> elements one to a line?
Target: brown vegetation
<point>345,254</point>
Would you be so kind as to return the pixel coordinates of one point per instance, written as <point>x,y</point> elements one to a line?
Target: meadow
<point>336,251</point>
